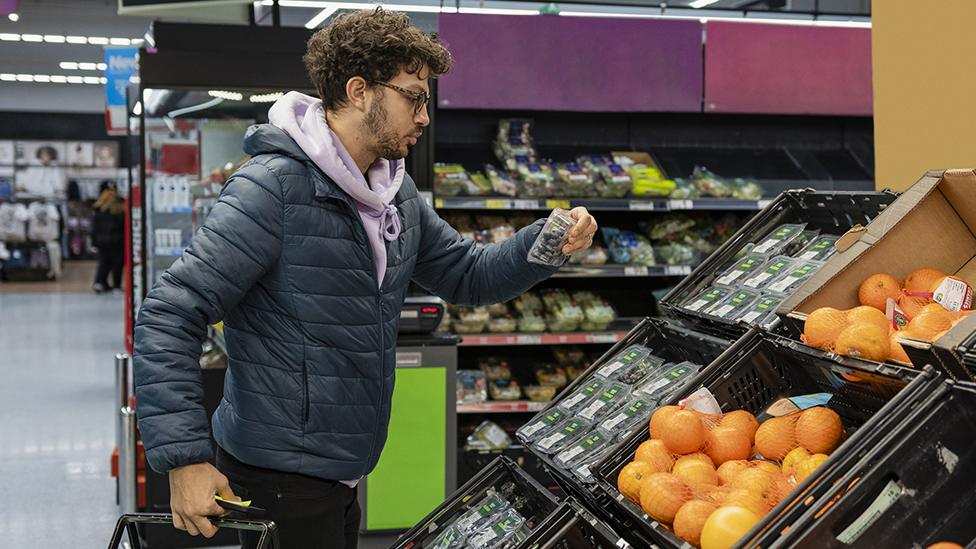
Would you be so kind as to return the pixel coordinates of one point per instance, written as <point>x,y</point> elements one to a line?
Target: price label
<point>678,270</point>
<point>496,204</point>
<point>553,204</point>
<point>525,204</point>
<point>641,205</point>
<point>604,338</point>
<point>681,204</point>
<point>528,339</point>
<point>438,202</point>
<point>761,204</point>
<point>635,271</point>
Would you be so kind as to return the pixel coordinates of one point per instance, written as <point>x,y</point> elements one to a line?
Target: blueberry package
<point>733,305</point>
<point>741,270</point>
<point>669,381</point>
<point>582,395</point>
<point>612,396</point>
<point>623,359</point>
<point>706,298</point>
<point>583,449</point>
<point>633,412</point>
<point>564,433</point>
<point>769,272</point>
<point>539,427</point>
<point>502,529</point>
<point>762,312</point>
<point>777,241</point>
<point>548,247</point>
<point>794,278</point>
<point>820,249</point>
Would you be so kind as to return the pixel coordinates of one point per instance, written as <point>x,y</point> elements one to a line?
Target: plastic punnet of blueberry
<point>548,247</point>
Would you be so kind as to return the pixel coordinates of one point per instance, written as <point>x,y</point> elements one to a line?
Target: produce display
<point>763,274</point>
<point>924,307</point>
<point>524,173</point>
<point>556,310</point>
<point>490,522</point>
<point>712,477</point>
<point>496,379</point>
<point>617,398</point>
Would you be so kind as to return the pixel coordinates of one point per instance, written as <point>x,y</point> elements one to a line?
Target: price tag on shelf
<point>495,204</point>
<point>632,270</point>
<point>681,204</point>
<point>641,205</point>
<point>678,270</point>
<point>525,204</point>
<point>604,338</point>
<point>438,202</point>
<point>553,204</point>
<point>761,204</point>
<point>528,339</point>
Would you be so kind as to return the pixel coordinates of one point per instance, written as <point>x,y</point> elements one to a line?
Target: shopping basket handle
<point>127,523</point>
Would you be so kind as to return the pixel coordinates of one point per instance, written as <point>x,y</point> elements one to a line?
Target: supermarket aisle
<point>57,426</point>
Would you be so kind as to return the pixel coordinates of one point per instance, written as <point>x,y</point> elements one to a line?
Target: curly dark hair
<point>375,45</point>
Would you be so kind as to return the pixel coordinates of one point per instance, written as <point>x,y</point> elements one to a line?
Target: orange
<point>923,279</point>
<point>741,420</point>
<point>727,444</point>
<point>776,437</point>
<point>690,519</point>
<point>895,351</point>
<point>876,289</point>
<point>865,341</point>
<point>659,419</point>
<point>630,478</point>
<point>655,454</point>
<point>930,322</point>
<point>819,430</point>
<point>913,305</point>
<point>868,315</point>
<point>822,327</point>
<point>726,525</point>
<point>684,432</point>
<point>662,494</point>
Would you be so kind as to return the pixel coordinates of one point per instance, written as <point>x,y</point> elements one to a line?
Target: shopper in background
<point>307,258</point>
<point>108,236</point>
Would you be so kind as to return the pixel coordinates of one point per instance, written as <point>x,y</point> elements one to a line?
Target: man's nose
<point>422,119</point>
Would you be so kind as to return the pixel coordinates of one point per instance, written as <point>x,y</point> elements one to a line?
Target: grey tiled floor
<point>57,420</point>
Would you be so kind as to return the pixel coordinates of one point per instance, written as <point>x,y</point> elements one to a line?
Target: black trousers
<point>311,513</point>
<point>111,260</point>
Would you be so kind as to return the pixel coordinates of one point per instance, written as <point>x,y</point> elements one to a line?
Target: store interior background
<point>58,340</point>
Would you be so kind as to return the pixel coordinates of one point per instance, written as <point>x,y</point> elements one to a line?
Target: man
<point>307,258</point>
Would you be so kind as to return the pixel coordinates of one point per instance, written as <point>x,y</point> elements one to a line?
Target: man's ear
<point>356,93</point>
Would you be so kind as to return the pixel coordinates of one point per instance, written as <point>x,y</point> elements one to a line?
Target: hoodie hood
<point>304,134</point>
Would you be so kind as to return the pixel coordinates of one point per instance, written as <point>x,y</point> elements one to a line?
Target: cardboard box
<point>932,224</point>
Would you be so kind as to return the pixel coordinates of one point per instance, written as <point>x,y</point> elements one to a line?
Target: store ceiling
<point>100,19</point>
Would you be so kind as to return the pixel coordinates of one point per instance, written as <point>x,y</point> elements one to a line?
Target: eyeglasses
<point>420,99</point>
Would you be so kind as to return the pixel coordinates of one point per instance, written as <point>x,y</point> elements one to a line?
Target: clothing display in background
<point>40,181</point>
<point>13,222</point>
<point>43,222</point>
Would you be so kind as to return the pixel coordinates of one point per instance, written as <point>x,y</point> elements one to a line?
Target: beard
<point>387,144</point>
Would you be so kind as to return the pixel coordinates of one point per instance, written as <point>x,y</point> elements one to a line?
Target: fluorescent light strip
<point>31,37</point>
<point>228,95</point>
<point>265,97</point>
<point>320,17</point>
<point>61,39</point>
<point>52,78</point>
<point>702,3</point>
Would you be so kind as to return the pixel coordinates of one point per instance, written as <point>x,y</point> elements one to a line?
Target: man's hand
<point>581,235</point>
<point>192,489</point>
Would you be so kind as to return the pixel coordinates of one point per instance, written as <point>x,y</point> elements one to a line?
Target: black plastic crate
<point>533,502</point>
<point>471,462</point>
<point>832,212</point>
<point>573,527</point>
<point>915,488</point>
<point>670,342</point>
<point>758,370</point>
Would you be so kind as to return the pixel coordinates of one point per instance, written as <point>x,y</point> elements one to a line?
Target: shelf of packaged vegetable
<point>568,338</point>
<point>501,407</point>
<point>612,270</point>
<point>597,204</point>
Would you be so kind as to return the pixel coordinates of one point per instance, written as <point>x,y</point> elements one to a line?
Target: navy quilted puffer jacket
<point>284,261</point>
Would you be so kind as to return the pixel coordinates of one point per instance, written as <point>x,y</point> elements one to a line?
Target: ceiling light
<point>7,77</point>
<point>92,80</point>
<point>59,79</point>
<point>137,109</point>
<point>497,11</point>
<point>76,39</point>
<point>68,65</point>
<point>76,80</point>
<point>54,38</point>
<point>98,40</point>
<point>265,97</point>
<point>9,37</point>
<point>101,66</point>
<point>120,41</point>
<point>25,77</point>
<point>42,78</point>
<point>13,17</point>
<point>31,37</point>
<point>701,3</point>
<point>228,95</point>
<point>88,66</point>
<point>321,16</point>
<point>102,80</point>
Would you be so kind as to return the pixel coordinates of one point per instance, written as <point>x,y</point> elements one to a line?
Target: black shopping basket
<point>128,523</point>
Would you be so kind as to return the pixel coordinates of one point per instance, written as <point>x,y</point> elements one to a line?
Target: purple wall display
<point>8,6</point>
<point>787,69</point>
<point>571,63</point>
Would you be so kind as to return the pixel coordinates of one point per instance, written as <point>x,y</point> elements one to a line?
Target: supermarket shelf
<point>174,210</point>
<point>597,204</point>
<point>501,407</point>
<point>616,271</point>
<point>162,251</point>
<point>567,338</point>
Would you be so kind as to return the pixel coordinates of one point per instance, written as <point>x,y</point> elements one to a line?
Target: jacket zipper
<point>379,317</point>
<point>305,403</point>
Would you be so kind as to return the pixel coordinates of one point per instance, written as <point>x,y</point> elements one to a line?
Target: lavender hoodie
<point>303,118</point>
